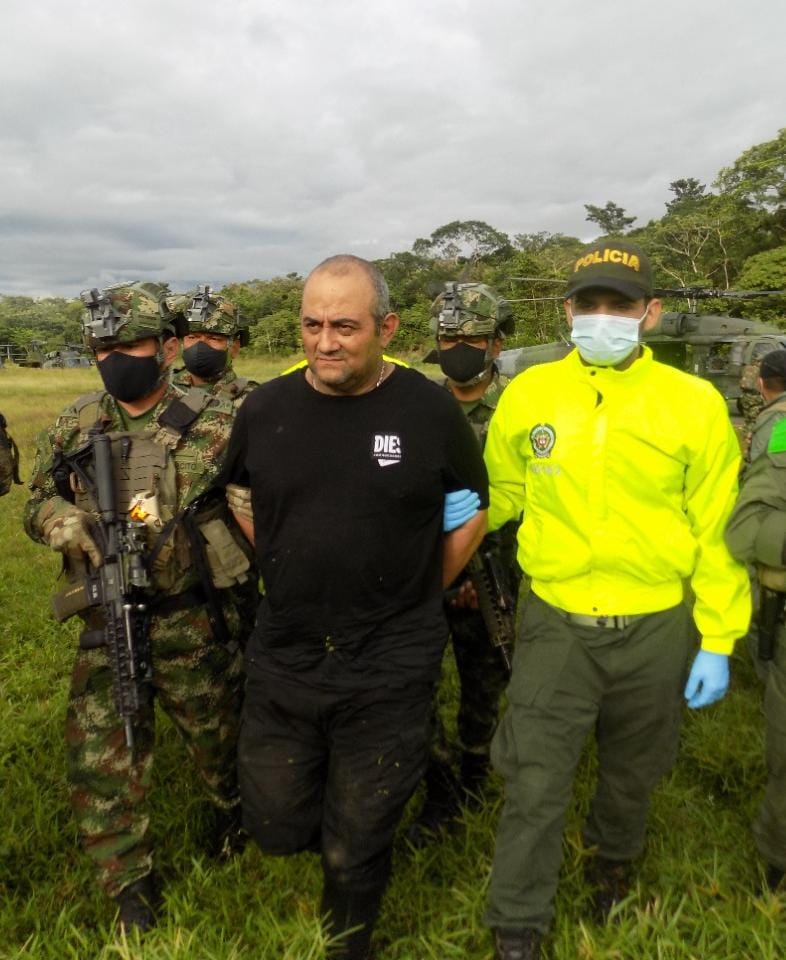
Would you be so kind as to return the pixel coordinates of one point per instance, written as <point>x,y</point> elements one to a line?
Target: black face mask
<point>205,361</point>
<point>129,378</point>
<point>463,362</point>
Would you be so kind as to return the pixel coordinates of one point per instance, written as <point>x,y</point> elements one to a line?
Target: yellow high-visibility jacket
<point>625,479</point>
<point>304,363</point>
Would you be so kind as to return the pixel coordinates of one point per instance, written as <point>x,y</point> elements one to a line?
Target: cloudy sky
<point>192,141</point>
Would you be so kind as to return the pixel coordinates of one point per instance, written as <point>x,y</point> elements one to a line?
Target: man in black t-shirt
<point>350,464</point>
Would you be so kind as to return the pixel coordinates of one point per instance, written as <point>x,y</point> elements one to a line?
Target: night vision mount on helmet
<point>211,312</point>
<point>470,310</point>
<point>125,313</point>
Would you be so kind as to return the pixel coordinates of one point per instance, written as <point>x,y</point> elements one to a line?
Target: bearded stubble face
<point>342,344</point>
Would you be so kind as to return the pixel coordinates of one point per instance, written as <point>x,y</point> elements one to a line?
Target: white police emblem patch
<point>542,437</point>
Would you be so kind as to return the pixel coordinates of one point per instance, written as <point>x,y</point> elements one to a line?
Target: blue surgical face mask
<point>603,339</point>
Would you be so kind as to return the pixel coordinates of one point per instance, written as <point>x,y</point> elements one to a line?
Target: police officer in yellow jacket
<point>625,471</point>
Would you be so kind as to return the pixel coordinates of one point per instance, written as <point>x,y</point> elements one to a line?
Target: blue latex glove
<point>460,506</point>
<point>708,680</point>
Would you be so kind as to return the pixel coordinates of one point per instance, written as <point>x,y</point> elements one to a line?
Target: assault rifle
<point>495,601</point>
<point>118,587</point>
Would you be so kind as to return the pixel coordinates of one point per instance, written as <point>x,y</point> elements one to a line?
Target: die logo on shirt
<point>387,449</point>
<point>542,437</point>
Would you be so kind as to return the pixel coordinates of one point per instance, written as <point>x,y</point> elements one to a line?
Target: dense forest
<point>731,236</point>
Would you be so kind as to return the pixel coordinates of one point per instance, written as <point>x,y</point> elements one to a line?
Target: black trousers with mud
<point>331,771</point>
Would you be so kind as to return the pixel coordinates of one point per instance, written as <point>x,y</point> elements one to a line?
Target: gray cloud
<point>188,142</point>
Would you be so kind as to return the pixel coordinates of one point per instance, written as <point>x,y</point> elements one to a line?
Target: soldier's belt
<point>607,621</point>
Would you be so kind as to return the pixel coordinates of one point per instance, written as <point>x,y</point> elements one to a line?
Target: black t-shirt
<point>348,496</point>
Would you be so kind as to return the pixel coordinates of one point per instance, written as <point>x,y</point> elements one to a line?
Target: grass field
<point>697,881</point>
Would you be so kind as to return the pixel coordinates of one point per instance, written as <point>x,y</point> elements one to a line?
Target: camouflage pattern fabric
<point>228,392</point>
<point>750,404</point>
<point>239,500</point>
<point>8,460</point>
<point>470,310</point>
<point>68,530</point>
<point>126,313</point>
<point>229,389</point>
<point>196,680</point>
<point>481,672</point>
<point>221,316</point>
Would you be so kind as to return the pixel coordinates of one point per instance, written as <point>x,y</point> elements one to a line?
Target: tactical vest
<point>144,464</point>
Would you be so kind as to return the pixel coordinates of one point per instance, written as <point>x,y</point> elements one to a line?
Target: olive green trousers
<point>625,685</point>
<point>769,828</point>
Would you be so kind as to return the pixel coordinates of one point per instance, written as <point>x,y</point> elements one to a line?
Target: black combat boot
<point>137,905</point>
<point>472,780</point>
<point>517,944</point>
<point>439,810</point>
<point>351,911</point>
<point>227,838</point>
<point>611,882</point>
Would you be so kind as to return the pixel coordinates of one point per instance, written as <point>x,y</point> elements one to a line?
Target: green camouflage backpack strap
<point>181,412</point>
<point>9,459</point>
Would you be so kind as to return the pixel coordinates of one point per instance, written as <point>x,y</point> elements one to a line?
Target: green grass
<point>695,897</point>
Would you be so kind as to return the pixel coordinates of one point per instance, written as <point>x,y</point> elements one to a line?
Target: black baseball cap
<point>773,364</point>
<point>612,265</point>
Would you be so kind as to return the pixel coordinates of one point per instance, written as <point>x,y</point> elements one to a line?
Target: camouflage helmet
<point>125,313</point>
<point>470,310</point>
<point>209,312</point>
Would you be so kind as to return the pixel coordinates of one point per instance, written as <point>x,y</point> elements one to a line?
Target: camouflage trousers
<point>198,682</point>
<point>482,679</point>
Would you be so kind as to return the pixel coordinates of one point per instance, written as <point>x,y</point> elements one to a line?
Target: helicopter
<point>714,347</point>
<point>71,355</point>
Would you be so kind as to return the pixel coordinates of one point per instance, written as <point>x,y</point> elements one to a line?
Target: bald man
<point>355,473</point>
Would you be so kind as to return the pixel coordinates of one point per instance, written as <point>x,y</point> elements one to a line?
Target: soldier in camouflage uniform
<point>173,443</point>
<point>750,401</point>
<point>9,459</point>
<point>213,332</point>
<point>470,322</point>
<point>771,384</point>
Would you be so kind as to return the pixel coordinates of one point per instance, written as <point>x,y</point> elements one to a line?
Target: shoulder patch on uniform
<point>542,437</point>
<point>777,442</point>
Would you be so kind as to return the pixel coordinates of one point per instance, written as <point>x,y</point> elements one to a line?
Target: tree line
<point>729,236</point>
